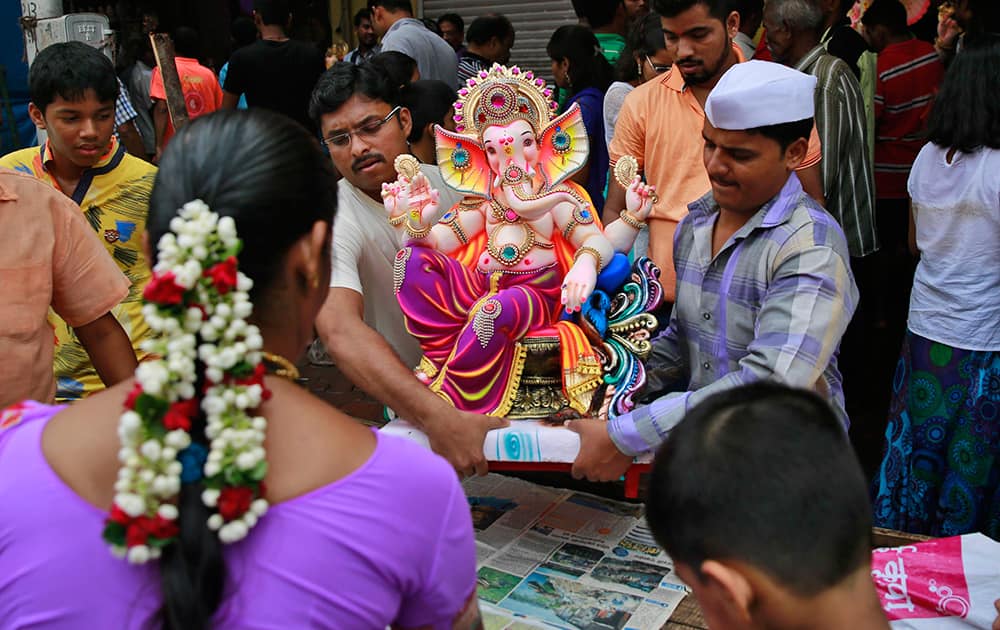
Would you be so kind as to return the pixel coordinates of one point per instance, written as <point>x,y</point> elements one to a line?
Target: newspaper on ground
<point>549,557</point>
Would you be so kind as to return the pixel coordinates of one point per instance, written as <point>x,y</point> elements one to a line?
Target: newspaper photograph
<point>563,602</point>
<point>552,558</point>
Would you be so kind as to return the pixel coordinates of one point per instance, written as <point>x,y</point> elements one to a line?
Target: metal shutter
<point>534,23</point>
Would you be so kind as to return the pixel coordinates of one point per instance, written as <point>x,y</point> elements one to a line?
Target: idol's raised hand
<point>412,201</point>
<point>639,198</point>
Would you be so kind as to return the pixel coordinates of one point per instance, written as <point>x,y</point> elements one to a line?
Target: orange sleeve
<point>156,85</point>
<point>86,281</point>
<point>815,152</point>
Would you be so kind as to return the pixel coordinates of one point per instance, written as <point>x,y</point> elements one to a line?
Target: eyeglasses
<point>364,131</point>
<point>657,68</point>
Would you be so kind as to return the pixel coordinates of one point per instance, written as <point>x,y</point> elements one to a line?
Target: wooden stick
<point>163,50</point>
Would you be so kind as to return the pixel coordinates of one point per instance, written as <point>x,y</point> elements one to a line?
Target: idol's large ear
<point>463,163</point>
<point>563,146</point>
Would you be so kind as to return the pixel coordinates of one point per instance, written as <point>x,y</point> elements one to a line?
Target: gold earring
<point>313,281</point>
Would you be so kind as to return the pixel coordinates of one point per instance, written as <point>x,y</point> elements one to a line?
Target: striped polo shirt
<point>909,74</point>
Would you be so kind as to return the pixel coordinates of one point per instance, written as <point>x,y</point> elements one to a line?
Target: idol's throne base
<point>540,394</point>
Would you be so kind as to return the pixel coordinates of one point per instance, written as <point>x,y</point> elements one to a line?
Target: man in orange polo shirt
<point>661,122</point>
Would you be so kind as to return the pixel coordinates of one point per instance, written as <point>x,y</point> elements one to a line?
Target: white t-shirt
<point>614,98</point>
<point>956,207</point>
<point>364,248</point>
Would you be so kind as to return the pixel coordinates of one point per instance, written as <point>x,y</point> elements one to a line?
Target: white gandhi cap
<point>760,93</point>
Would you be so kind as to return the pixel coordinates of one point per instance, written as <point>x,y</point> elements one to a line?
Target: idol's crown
<point>500,96</point>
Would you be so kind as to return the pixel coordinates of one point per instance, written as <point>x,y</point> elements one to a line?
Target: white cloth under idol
<point>760,93</point>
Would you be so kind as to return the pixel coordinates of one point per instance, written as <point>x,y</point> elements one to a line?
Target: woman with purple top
<point>226,495</point>
<point>580,68</point>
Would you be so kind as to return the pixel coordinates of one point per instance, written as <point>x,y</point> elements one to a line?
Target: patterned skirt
<point>940,474</point>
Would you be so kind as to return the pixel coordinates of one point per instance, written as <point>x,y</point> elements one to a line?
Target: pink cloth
<point>391,543</point>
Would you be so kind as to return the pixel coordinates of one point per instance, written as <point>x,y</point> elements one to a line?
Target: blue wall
<point>12,58</point>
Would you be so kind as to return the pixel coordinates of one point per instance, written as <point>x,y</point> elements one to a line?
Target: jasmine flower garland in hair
<point>197,301</point>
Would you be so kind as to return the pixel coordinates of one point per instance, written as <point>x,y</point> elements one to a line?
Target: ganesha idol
<point>500,291</point>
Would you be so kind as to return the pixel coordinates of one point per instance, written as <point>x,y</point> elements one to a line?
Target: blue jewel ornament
<point>192,461</point>
<point>460,158</point>
<point>561,141</point>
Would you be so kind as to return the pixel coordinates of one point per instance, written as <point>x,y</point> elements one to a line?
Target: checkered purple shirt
<point>772,304</point>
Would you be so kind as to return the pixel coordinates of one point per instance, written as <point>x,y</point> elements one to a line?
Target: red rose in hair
<point>162,289</point>
<point>223,275</point>
<point>179,415</point>
<point>137,532</point>
<point>133,396</point>
<point>234,502</point>
<point>163,529</point>
<point>119,516</point>
<point>257,378</point>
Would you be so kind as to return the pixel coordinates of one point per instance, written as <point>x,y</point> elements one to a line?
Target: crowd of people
<point>834,201</point>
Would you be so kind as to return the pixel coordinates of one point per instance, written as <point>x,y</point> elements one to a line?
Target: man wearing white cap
<point>764,287</point>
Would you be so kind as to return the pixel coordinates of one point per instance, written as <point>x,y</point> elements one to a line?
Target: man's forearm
<point>109,348</point>
<point>369,361</point>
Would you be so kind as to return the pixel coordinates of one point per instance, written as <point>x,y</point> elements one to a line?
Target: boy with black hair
<point>73,90</point>
<point>490,39</point>
<point>401,32</point>
<point>764,286</point>
<point>275,72</point>
<point>760,502</point>
<point>399,69</point>
<point>430,103</point>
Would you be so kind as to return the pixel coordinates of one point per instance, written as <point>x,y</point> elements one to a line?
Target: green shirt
<point>612,45</point>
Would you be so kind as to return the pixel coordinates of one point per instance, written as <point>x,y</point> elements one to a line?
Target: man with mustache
<point>361,324</point>
<point>660,122</point>
<point>764,287</point>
